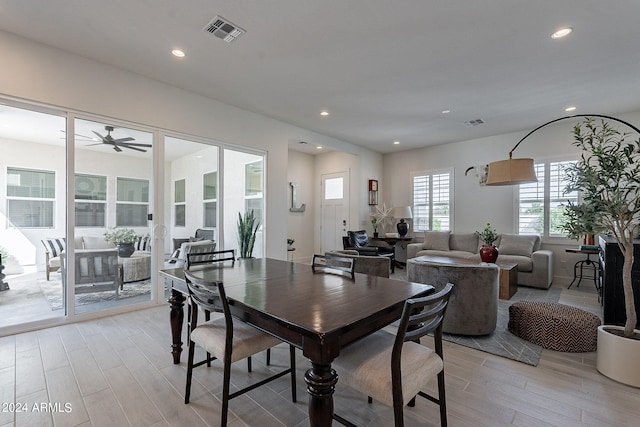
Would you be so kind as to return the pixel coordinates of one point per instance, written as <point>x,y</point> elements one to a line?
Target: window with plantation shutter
<point>541,204</point>
<point>432,200</point>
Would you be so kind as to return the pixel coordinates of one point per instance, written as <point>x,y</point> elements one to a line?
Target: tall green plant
<point>608,175</point>
<point>247,229</point>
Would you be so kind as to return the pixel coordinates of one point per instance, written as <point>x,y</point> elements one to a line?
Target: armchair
<point>359,241</point>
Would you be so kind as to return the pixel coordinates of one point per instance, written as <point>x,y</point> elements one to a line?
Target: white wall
<point>301,224</point>
<point>476,205</point>
<point>35,72</point>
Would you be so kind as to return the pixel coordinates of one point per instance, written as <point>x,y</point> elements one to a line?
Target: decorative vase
<point>375,234</point>
<point>617,356</point>
<point>488,253</point>
<point>589,239</point>
<point>125,250</point>
<point>403,228</point>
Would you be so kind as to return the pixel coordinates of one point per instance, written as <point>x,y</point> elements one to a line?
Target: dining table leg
<point>176,319</point>
<point>321,381</point>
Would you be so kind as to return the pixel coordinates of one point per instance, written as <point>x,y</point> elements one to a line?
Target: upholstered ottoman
<point>554,326</point>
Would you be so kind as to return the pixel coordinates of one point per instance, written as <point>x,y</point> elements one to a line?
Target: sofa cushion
<point>94,242</point>
<point>463,242</point>
<point>438,240</point>
<point>514,244</point>
<point>525,263</point>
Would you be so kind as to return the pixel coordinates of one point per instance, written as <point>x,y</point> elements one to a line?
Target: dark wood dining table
<point>319,313</point>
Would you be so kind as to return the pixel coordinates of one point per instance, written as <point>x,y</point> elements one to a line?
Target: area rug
<point>502,342</point>
<point>52,291</point>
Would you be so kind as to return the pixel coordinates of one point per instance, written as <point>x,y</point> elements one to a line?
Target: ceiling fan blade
<point>99,136</point>
<point>136,144</point>
<point>118,149</point>
<point>119,140</point>
<point>97,143</point>
<point>134,148</point>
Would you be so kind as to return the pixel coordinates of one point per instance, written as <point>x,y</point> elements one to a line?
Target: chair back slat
<point>206,255</point>
<point>336,263</point>
<point>422,316</point>
<point>210,296</point>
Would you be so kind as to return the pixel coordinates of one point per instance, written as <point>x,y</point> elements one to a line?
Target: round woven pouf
<point>554,326</point>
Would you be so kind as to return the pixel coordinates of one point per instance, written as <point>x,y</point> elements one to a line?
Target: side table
<point>589,264</point>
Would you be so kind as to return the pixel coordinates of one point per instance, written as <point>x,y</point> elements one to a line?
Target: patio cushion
<point>54,246</point>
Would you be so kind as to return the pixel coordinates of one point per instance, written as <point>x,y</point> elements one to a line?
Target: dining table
<point>318,312</point>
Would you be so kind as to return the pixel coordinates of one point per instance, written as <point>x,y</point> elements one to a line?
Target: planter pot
<point>617,356</point>
<point>125,250</point>
<point>488,253</point>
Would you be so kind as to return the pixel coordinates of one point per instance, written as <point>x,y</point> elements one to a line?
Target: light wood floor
<point>117,371</point>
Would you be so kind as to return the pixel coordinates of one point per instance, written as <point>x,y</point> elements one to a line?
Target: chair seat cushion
<point>54,262</point>
<point>366,366</point>
<point>247,340</point>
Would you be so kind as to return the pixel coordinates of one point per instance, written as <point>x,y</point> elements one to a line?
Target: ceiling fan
<point>120,142</point>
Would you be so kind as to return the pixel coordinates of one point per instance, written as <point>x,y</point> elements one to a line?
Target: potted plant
<point>290,243</point>
<point>581,222</point>
<point>123,239</point>
<point>247,229</point>
<point>488,251</point>
<point>374,223</point>
<point>608,175</point>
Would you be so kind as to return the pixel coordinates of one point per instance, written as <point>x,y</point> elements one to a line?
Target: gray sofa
<point>535,265</point>
<point>371,265</point>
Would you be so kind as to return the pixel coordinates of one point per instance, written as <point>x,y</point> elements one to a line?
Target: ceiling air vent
<point>475,122</point>
<point>224,29</point>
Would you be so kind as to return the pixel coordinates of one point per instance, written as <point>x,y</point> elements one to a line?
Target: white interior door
<point>334,207</point>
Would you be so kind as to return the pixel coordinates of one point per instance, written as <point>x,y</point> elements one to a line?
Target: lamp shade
<point>402,212</point>
<point>511,171</point>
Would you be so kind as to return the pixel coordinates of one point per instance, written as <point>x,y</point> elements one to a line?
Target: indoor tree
<point>608,176</point>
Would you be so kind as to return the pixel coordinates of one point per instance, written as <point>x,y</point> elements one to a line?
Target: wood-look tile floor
<point>117,371</point>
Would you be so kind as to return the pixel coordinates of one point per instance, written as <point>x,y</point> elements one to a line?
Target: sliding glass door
<point>32,214</point>
<point>113,182</point>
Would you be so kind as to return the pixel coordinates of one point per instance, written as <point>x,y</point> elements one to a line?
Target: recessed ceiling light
<point>446,111</point>
<point>396,142</point>
<point>324,113</point>
<point>570,109</point>
<point>561,32</point>
<point>178,53</point>
<point>319,147</point>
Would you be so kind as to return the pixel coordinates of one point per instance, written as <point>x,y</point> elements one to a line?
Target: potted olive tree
<point>608,175</point>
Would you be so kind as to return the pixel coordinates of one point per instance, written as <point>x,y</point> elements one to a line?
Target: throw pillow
<point>196,239</point>
<point>438,240</point>
<point>142,244</point>
<point>515,244</point>
<point>467,242</point>
<point>54,246</point>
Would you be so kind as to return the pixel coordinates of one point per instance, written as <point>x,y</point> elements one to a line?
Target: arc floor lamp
<point>520,171</point>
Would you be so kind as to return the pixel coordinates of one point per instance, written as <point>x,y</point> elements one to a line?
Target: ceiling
<point>385,70</point>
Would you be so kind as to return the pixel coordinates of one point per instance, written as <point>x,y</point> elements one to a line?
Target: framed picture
<point>373,192</point>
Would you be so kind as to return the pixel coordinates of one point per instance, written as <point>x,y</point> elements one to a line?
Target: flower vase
<point>375,234</point>
<point>488,253</point>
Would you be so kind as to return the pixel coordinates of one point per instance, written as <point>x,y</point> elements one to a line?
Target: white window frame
<point>91,201</point>
<point>137,203</point>
<point>206,201</point>
<point>179,203</point>
<point>549,197</point>
<point>416,210</point>
<point>47,200</point>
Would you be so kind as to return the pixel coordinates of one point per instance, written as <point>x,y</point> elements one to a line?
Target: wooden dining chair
<point>207,255</point>
<point>226,339</point>
<point>333,263</point>
<point>394,369</point>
